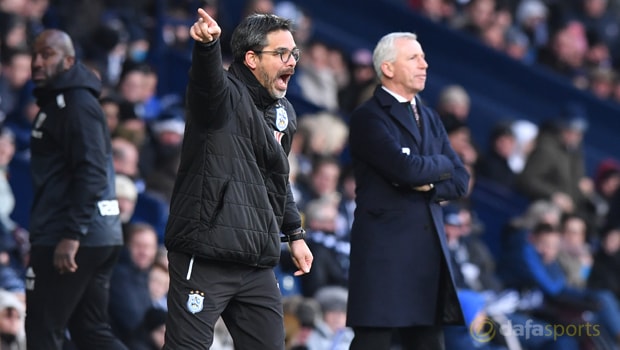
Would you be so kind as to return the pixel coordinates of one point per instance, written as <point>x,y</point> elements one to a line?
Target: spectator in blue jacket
<point>538,268</point>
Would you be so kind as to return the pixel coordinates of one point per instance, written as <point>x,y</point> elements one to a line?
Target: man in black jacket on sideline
<point>232,198</point>
<point>75,230</point>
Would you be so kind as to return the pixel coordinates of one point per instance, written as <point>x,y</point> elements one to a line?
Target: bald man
<point>75,230</point>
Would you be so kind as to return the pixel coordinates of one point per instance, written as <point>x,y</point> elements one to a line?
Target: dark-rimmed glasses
<point>285,54</point>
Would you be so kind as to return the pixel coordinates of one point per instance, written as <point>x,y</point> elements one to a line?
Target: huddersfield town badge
<point>194,301</point>
<point>281,118</point>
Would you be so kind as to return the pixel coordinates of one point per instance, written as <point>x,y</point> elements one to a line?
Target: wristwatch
<point>301,234</point>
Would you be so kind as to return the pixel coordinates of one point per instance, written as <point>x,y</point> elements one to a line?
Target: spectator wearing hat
<point>606,185</point>
<point>362,83</point>
<point>165,149</point>
<point>555,169</point>
<point>330,330</point>
<point>12,315</point>
<point>494,165</point>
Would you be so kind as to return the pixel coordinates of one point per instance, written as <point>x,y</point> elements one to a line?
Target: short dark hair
<point>251,33</point>
<point>544,228</point>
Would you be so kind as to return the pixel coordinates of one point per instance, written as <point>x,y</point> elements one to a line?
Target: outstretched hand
<point>205,29</point>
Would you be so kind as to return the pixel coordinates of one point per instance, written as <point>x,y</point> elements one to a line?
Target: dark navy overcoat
<point>399,273</point>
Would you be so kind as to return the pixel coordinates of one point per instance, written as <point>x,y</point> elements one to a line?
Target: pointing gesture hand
<point>205,29</point>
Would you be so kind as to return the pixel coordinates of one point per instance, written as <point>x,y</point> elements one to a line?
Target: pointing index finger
<point>205,17</point>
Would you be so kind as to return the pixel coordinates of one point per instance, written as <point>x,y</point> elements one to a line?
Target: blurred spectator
<point>316,76</point>
<point>137,89</point>
<point>323,182</point>
<point>14,238</point>
<point>477,16</point>
<point>555,169</point>
<point>596,17</point>
<point>327,134</point>
<point>111,109</point>
<point>575,256</point>
<point>459,135</point>
<point>525,139</point>
<point>347,205</point>
<point>159,281</point>
<point>165,146</point>
<point>257,6</point>
<point>331,254</point>
<point>517,46</point>
<point>302,22</point>
<point>127,194</point>
<point>330,331</point>
<point>362,83</point>
<point>130,297</point>
<point>516,232</point>
<point>598,55</point>
<point>441,11</point>
<point>606,184</point>
<point>150,333</point>
<point>7,199</point>
<point>601,82</point>
<point>531,17</point>
<point>537,268</point>
<point>126,157</point>
<point>13,28</point>
<point>565,53</point>
<point>106,50</point>
<point>454,103</point>
<point>606,269</point>
<point>12,316</point>
<point>15,75</point>
<point>494,165</point>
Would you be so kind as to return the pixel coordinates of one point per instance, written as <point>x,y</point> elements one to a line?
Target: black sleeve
<point>86,147</point>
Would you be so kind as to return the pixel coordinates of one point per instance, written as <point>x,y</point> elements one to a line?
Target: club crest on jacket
<point>281,118</point>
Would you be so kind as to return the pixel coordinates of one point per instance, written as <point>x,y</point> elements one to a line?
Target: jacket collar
<point>260,95</point>
<point>397,111</point>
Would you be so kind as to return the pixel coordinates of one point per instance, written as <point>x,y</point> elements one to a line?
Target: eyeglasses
<point>285,54</point>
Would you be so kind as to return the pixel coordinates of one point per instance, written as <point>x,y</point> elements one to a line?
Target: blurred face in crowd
<point>548,246</point>
<point>10,321</point>
<point>158,282</point>
<point>269,67</point>
<point>325,178</point>
<point>143,248</point>
<point>611,243</point>
<point>574,233</point>
<point>505,145</point>
<point>133,85</point>
<point>572,137</point>
<point>7,149</point>
<point>50,57</point>
<point>19,70</point>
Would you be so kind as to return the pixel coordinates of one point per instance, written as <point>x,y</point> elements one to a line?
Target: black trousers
<point>411,338</point>
<point>77,301</point>
<point>247,298</point>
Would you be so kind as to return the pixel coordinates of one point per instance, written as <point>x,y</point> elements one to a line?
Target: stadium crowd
<point>559,258</point>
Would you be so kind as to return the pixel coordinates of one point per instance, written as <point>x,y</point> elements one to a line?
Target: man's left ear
<point>251,59</point>
<point>69,61</point>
